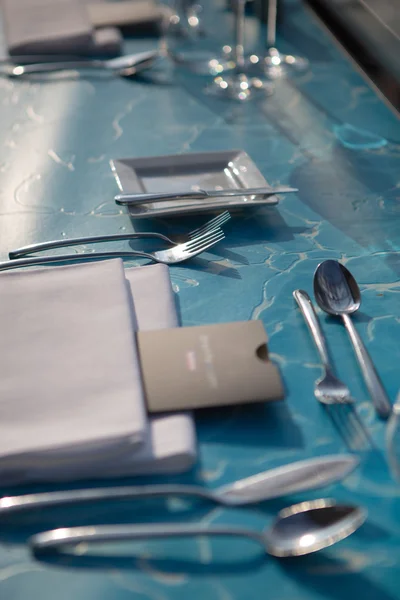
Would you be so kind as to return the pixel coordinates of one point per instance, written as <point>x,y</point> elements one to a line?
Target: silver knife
<point>274,483</point>
<point>131,199</point>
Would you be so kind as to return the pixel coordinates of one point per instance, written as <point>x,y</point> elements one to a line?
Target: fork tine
<point>204,239</point>
<point>360,430</point>
<point>211,224</point>
<point>349,425</point>
<point>205,247</point>
<point>341,425</point>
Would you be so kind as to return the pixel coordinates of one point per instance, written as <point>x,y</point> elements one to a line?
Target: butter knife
<point>275,483</point>
<point>130,199</point>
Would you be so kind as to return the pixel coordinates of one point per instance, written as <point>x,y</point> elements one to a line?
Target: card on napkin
<point>70,387</point>
<point>209,365</point>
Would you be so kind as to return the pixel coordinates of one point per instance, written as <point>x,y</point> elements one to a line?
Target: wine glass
<point>238,85</point>
<point>275,64</point>
<point>186,42</point>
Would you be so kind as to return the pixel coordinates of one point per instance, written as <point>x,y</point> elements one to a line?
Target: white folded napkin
<point>170,440</point>
<point>70,383</point>
<point>71,397</point>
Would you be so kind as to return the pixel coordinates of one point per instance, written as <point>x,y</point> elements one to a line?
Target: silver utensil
<point>124,65</point>
<point>170,256</point>
<point>191,235</point>
<point>298,530</point>
<point>328,389</point>
<point>337,293</point>
<point>281,481</point>
<point>126,199</point>
<point>393,440</point>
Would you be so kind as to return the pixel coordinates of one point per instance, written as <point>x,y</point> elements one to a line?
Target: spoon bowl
<point>337,293</point>
<point>311,526</point>
<point>335,289</point>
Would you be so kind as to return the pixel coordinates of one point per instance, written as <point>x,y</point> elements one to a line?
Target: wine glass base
<point>239,87</point>
<point>276,65</point>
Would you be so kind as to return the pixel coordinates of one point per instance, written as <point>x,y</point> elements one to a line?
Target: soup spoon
<point>298,530</point>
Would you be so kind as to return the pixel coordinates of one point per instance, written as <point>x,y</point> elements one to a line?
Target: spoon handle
<point>11,504</point>
<point>379,398</point>
<point>311,318</point>
<point>54,539</point>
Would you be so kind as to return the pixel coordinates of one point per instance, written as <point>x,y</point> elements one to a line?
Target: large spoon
<point>300,529</point>
<point>122,65</point>
<point>274,483</point>
<point>337,293</point>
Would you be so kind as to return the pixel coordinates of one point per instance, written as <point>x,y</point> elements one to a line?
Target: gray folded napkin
<point>63,27</point>
<point>73,27</point>
<point>71,395</point>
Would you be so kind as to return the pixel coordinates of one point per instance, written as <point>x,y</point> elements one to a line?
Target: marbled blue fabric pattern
<point>327,133</point>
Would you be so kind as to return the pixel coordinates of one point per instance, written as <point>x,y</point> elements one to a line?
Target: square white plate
<point>182,172</point>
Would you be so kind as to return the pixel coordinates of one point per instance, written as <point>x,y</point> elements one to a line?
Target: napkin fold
<point>71,394</point>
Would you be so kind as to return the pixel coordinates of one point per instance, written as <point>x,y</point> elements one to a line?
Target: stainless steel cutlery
<point>209,226</point>
<point>122,65</point>
<point>337,293</point>
<point>328,389</point>
<point>170,256</point>
<point>132,199</point>
<point>298,530</point>
<point>281,481</point>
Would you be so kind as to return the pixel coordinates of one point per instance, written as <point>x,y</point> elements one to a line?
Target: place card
<point>212,365</point>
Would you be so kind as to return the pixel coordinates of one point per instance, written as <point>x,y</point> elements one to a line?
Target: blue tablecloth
<point>327,133</point>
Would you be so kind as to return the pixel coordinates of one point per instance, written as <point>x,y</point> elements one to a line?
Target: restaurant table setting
<point>207,340</point>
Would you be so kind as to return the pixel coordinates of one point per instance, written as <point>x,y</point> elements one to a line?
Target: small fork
<point>173,240</point>
<point>170,256</point>
<point>329,390</point>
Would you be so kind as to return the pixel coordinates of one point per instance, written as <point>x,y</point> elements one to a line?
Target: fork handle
<point>378,395</point>
<point>43,260</point>
<point>84,240</point>
<point>310,316</point>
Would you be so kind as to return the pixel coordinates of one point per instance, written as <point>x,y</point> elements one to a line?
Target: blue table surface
<point>327,133</point>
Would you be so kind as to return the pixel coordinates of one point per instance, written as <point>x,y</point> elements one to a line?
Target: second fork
<point>214,223</point>
<point>328,389</point>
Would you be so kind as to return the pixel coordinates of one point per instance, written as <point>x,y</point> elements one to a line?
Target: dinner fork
<point>170,256</point>
<point>329,390</point>
<point>173,240</point>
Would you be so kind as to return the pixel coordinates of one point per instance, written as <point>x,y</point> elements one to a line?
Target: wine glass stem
<point>271,23</point>
<point>239,35</point>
